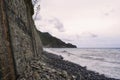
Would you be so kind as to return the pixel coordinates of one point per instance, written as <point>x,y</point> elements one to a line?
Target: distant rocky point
<point>49,41</point>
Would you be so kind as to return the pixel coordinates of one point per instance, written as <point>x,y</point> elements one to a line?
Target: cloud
<point>109,12</point>
<point>106,14</point>
<point>94,35</point>
<point>51,23</point>
<point>39,17</point>
<point>88,35</point>
<point>57,24</point>
<point>67,40</point>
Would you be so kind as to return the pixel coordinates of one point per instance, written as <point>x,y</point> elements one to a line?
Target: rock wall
<point>19,39</point>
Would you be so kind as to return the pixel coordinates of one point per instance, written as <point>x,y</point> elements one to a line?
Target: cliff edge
<point>50,41</point>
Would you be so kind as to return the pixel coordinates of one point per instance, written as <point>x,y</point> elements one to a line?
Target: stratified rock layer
<point>19,40</point>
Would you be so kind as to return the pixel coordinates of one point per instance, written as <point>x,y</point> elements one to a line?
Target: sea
<point>102,60</point>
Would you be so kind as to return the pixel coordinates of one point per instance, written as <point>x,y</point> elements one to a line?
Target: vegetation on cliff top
<point>50,41</point>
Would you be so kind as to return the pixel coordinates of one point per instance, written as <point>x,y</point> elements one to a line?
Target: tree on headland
<point>36,7</point>
<point>34,2</point>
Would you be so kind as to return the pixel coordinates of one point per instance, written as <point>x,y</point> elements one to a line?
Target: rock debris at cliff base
<point>52,67</point>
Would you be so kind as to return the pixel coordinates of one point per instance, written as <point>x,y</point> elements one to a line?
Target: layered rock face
<point>19,40</point>
<point>21,51</point>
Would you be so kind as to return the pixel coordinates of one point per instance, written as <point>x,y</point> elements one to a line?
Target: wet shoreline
<point>56,61</point>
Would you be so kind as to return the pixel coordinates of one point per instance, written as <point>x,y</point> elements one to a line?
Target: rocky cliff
<point>20,45</point>
<point>19,41</point>
<point>50,41</point>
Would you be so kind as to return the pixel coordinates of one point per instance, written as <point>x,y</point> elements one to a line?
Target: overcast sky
<point>85,23</point>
